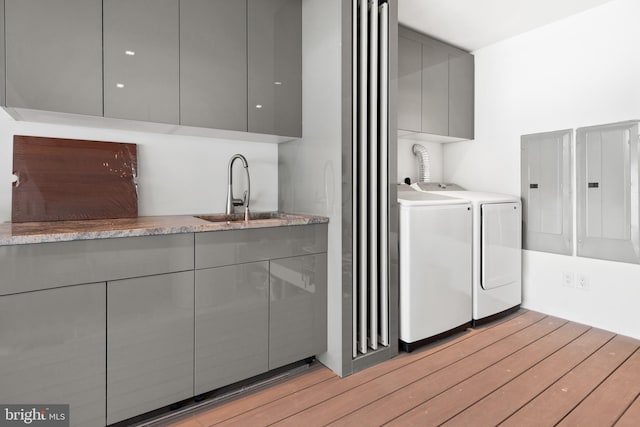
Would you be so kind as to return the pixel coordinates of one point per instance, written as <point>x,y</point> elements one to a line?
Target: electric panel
<point>607,192</point>
<point>546,192</point>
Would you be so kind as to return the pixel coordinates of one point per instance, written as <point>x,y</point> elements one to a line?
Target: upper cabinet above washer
<point>141,60</point>
<point>436,85</point>
<point>54,55</point>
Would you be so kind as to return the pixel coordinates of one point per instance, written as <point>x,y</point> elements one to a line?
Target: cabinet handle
<point>533,186</point>
<point>594,185</point>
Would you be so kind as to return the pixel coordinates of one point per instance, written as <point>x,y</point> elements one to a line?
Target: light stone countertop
<point>65,231</point>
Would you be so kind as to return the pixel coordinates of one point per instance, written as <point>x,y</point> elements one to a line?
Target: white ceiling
<point>472,24</point>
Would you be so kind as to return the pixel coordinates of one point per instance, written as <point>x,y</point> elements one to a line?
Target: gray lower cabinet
<point>213,64</point>
<point>298,308</point>
<point>150,340</point>
<point>141,60</point>
<point>47,265</point>
<point>274,42</point>
<point>52,350</point>
<point>54,55</point>
<point>232,324</point>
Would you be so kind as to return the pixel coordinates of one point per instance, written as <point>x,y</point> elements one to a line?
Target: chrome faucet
<point>231,201</point>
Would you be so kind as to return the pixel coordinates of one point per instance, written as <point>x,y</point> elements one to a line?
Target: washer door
<point>501,245</point>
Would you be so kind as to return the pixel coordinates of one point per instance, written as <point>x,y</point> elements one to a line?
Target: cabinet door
<point>213,64</point>
<point>435,89</point>
<point>275,67</point>
<point>232,315</point>
<point>141,60</point>
<point>409,84</point>
<point>461,84</point>
<point>52,350</point>
<point>298,308</point>
<point>54,55</point>
<point>149,343</point>
<point>2,66</point>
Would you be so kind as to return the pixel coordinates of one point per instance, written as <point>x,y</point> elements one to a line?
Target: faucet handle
<point>244,198</point>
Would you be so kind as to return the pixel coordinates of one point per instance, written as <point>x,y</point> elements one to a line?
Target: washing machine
<point>435,266</point>
<point>497,249</point>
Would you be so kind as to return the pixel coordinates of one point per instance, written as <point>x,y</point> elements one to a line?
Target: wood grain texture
<point>68,179</point>
<point>524,370</point>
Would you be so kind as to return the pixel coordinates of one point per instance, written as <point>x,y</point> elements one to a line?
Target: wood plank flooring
<point>528,369</point>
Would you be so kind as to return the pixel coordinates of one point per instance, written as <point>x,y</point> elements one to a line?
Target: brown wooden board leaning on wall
<point>69,179</point>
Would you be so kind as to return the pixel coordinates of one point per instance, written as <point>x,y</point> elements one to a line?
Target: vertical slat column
<point>384,174</point>
<point>373,174</point>
<point>355,255</point>
<point>370,175</point>
<point>363,173</point>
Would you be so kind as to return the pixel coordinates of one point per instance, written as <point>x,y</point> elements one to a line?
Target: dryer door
<point>501,245</point>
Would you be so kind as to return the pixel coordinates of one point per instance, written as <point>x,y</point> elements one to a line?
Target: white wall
<point>177,174</point>
<point>311,169</point>
<point>408,164</point>
<point>583,70</point>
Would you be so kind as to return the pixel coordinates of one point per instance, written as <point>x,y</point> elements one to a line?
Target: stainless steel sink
<point>239,217</point>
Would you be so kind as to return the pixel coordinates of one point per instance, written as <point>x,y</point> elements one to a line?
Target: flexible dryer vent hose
<point>424,165</point>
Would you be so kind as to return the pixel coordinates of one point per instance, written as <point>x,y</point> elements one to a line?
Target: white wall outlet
<point>567,279</point>
<point>582,282</point>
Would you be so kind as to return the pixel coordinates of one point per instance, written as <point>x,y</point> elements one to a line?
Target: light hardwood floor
<point>526,370</point>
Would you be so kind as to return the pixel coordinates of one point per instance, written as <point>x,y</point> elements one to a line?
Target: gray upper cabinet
<point>435,89</point>
<point>409,84</point>
<point>438,99</point>
<point>213,64</point>
<point>461,95</point>
<point>141,60</point>
<point>54,55</point>
<point>275,67</point>
<point>150,341</point>
<point>53,350</point>
<point>2,69</point>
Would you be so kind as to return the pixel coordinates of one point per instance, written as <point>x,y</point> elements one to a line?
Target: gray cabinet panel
<point>48,265</point>
<point>2,66</point>
<point>409,84</point>
<point>275,66</point>
<point>232,329</point>
<point>446,86</point>
<point>461,99</point>
<point>298,309</point>
<point>546,191</point>
<point>213,64</point>
<point>141,60</point>
<point>54,55</point>
<point>220,248</point>
<point>150,341</point>
<point>435,89</point>
<point>52,350</point>
<point>607,180</point>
